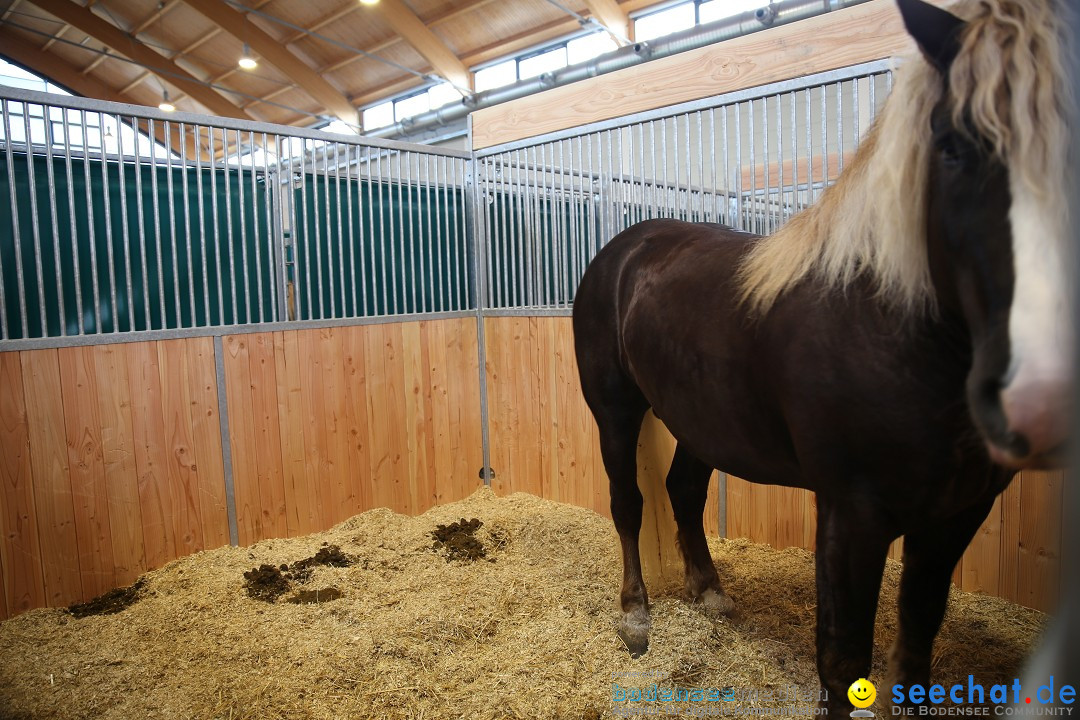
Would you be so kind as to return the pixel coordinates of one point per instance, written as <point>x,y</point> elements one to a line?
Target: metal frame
<point>507,242</point>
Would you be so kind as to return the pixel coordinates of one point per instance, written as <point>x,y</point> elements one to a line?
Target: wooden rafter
<point>86,21</point>
<point>237,25</point>
<point>59,71</point>
<point>413,30</point>
<point>612,17</point>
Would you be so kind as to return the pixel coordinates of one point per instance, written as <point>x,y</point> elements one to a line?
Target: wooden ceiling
<point>317,58</point>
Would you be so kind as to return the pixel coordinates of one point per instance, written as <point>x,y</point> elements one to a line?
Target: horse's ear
<point>936,31</point>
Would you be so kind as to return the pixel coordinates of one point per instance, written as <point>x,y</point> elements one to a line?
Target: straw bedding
<point>406,627</point>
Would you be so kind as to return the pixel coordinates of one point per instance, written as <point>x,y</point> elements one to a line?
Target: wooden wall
<point>543,437</point>
<point>543,441</point>
<point>112,455</point>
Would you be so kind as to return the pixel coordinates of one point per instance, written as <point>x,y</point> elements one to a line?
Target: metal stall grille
<point>748,159</point>
<point>121,219</point>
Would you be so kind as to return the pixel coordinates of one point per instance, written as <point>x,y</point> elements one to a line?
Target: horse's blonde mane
<point>1008,80</point>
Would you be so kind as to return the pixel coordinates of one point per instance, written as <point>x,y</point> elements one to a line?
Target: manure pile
<point>486,608</point>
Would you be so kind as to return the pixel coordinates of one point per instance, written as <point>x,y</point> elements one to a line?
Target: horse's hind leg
<point>688,488</point>
<point>619,413</point>
<point>930,554</point>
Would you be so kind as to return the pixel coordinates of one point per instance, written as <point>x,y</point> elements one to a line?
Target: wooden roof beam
<point>86,21</point>
<point>406,24</point>
<point>237,24</point>
<point>612,17</point>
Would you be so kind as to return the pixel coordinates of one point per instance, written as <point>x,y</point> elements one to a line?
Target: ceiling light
<point>165,105</point>
<point>247,60</point>
<point>369,2</point>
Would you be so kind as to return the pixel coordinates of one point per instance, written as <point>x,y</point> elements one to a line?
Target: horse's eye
<point>952,152</point>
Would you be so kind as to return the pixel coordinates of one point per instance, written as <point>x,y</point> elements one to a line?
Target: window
<point>411,106</point>
<point>719,9</point>
<point>505,73</point>
<point>586,48</point>
<point>665,22</point>
<point>379,116</point>
<point>338,126</point>
<point>544,62</point>
<point>15,76</point>
<point>442,94</point>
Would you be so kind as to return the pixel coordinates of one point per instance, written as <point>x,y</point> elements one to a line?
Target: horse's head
<point>997,223</point>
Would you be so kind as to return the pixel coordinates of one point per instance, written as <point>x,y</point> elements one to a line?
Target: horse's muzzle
<point>1037,417</point>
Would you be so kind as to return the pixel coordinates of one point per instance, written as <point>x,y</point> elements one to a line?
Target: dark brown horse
<point>900,348</point>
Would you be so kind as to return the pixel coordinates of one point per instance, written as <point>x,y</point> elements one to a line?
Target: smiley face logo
<point>862,693</point>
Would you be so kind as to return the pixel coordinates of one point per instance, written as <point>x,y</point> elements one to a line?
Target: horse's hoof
<point>634,631</point>
<point>716,603</point>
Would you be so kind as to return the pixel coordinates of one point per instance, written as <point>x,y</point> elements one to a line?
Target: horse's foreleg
<point>688,488</point>
<point>930,554</point>
<point>618,447</point>
<point>852,543</point>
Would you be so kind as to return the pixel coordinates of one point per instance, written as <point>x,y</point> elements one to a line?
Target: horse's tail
<point>660,557</point>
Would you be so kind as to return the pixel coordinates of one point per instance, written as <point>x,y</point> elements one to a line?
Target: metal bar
<point>738,169</point>
<point>714,216</point>
<point>410,238</point>
<point>461,239</point>
<point>187,227</point>
<point>229,229</point>
<point>399,296</point>
<point>737,96</point>
<point>383,243</point>
<point>840,127</point>
<point>824,140</point>
<point>701,164</point>
<point>226,444</point>
<point>766,224</point>
<point>159,248</point>
<point>349,223</point>
<point>318,230</point>
<point>172,221</point>
<point>340,230</point>
<point>91,235</point>
<point>16,232</point>
<point>73,240</point>
<point>270,190</point>
<point>256,240</point>
<point>110,253</point>
<point>305,233</point>
<point>809,149</point>
<point>441,181</point>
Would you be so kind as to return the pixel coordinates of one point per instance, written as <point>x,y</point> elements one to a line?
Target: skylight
<point>665,22</point>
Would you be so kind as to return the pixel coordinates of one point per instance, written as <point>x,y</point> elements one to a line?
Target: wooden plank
<point>550,455</point>
<point>1038,575</point>
<point>181,465</point>
<point>463,403</point>
<point>981,564</point>
<point>151,455</point>
<point>82,424</point>
<point>738,507</point>
<point>354,375</point>
<point>245,461</point>
<point>267,434</point>
<point>335,424</point>
<point>385,384</point>
<point>435,336</point>
<point>301,511</point>
<point>22,585</point>
<point>312,402</point>
<point>582,479</point>
<point>844,37</point>
<point>121,471</point>
<point>53,499</point>
<point>206,434</point>
<point>416,396</point>
<point>1008,570</point>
